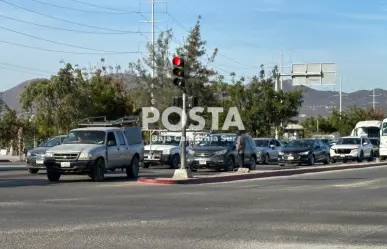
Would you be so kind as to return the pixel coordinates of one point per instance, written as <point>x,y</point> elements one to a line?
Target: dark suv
<point>218,151</point>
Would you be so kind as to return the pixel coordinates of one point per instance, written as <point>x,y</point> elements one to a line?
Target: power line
<point>64,29</point>
<point>23,67</point>
<point>61,51</point>
<point>19,70</point>
<point>81,10</point>
<point>97,6</point>
<point>60,43</point>
<point>63,20</point>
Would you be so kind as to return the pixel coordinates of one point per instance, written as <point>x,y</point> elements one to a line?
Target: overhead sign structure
<point>314,74</point>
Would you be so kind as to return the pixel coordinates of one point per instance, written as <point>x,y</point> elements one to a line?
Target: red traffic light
<point>177,61</point>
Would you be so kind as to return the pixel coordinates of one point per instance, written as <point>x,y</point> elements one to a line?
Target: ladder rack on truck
<point>102,121</point>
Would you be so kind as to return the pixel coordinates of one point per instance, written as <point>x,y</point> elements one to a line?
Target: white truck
<point>96,147</point>
<point>166,148</point>
<point>383,140</point>
<point>368,128</point>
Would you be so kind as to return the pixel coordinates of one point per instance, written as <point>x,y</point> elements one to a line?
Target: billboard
<point>314,74</point>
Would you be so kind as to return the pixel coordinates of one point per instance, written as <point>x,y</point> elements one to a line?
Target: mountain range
<point>316,102</point>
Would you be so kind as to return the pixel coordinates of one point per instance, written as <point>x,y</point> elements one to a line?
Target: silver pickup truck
<point>98,147</point>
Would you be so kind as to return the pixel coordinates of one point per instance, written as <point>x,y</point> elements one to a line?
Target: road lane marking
<point>357,184</point>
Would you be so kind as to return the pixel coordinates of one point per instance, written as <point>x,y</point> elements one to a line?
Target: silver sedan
<point>267,149</point>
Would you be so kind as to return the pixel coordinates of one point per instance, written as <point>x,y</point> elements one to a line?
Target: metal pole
<point>281,70</point>
<point>183,134</point>
<point>341,90</point>
<point>153,51</point>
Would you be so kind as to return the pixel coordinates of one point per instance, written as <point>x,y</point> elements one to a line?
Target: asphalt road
<point>342,209</point>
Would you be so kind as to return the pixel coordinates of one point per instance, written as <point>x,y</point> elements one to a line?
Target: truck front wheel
<point>53,176</point>
<point>98,171</point>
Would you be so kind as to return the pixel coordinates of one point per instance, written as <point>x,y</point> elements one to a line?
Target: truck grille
<point>343,151</point>
<point>204,154</point>
<point>66,156</point>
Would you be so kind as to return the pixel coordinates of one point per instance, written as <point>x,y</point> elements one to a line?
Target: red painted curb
<point>258,175</point>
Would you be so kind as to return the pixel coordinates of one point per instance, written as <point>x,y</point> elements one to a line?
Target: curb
<point>249,176</point>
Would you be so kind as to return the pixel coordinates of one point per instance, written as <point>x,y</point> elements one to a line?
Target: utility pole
<point>374,99</point>
<point>183,165</point>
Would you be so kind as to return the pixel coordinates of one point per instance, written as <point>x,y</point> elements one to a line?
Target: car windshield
<point>261,142</point>
<point>51,142</point>
<point>300,144</point>
<point>349,141</point>
<point>375,141</point>
<point>218,140</point>
<point>85,137</point>
<point>167,140</point>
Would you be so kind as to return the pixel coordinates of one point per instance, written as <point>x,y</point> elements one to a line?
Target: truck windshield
<point>166,140</point>
<point>354,141</point>
<point>222,141</point>
<point>85,137</point>
<point>384,129</point>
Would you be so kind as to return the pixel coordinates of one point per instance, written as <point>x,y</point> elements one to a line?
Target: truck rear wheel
<point>132,171</point>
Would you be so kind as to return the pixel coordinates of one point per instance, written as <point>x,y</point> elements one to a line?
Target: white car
<point>165,150</point>
<point>352,148</point>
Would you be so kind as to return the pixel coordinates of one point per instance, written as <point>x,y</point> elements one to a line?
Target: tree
<point>72,94</point>
<point>9,127</point>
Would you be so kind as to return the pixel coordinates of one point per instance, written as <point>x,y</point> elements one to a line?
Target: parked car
<point>304,151</point>
<point>352,148</point>
<point>35,156</point>
<point>166,150</point>
<point>376,143</point>
<point>98,147</point>
<point>267,149</point>
<point>218,151</point>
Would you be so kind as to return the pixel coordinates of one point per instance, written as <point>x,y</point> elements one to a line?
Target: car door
<point>324,150</point>
<point>123,155</point>
<point>113,150</point>
<point>318,151</point>
<point>369,146</point>
<point>271,150</point>
<point>278,147</point>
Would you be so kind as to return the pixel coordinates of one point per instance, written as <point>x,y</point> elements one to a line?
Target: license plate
<point>40,162</point>
<point>290,157</point>
<point>342,155</point>
<point>65,164</point>
<point>202,162</point>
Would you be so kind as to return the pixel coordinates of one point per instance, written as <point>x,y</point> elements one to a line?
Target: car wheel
<point>230,164</point>
<point>253,163</point>
<point>327,160</point>
<point>312,160</point>
<point>371,158</point>
<point>267,159</point>
<point>175,162</point>
<point>53,176</point>
<point>361,157</point>
<point>33,171</point>
<point>133,170</point>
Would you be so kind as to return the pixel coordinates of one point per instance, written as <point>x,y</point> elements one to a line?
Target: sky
<point>247,33</point>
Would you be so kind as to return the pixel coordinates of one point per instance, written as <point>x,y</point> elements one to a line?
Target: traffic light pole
<point>183,134</point>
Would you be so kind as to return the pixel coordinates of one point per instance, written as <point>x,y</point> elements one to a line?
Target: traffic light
<point>178,101</point>
<point>178,72</point>
<point>192,102</point>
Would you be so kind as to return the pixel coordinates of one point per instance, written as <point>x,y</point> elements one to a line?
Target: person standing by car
<point>240,147</point>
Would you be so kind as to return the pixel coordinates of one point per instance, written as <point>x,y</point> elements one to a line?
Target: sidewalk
<point>5,159</point>
<point>235,176</point>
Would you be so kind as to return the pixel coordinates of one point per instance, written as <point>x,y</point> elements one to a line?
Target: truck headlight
<point>221,152</point>
<point>85,155</point>
<point>49,154</point>
<point>191,152</point>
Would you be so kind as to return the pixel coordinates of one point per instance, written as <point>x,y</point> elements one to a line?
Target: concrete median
<point>228,177</point>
